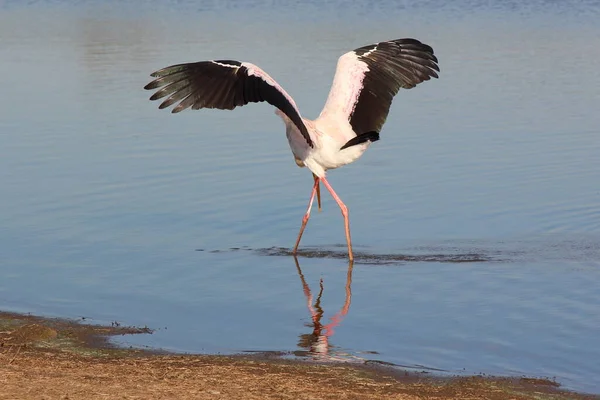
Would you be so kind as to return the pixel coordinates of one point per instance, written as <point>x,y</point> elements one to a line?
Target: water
<point>476,217</point>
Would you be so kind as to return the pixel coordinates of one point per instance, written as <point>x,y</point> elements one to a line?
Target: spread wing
<point>367,79</point>
<point>222,84</point>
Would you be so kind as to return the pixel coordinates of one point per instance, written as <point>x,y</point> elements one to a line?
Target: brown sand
<point>57,359</point>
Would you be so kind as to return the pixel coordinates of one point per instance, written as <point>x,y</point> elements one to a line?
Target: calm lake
<point>475,218</point>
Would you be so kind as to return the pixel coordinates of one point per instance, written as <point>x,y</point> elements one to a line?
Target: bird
<point>365,82</point>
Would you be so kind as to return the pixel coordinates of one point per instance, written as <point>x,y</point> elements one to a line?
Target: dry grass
<point>49,359</point>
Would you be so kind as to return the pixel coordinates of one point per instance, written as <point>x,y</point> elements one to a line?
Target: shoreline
<point>63,358</point>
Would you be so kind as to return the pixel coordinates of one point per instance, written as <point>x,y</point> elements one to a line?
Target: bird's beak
<point>318,192</point>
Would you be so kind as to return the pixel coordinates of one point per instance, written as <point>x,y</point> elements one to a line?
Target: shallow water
<point>476,218</point>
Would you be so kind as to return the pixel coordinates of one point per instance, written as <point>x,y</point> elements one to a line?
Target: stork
<point>365,83</point>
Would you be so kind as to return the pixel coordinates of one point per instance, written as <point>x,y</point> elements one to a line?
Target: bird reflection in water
<point>317,343</point>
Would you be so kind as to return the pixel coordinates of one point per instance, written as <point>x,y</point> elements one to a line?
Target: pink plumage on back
<point>346,87</point>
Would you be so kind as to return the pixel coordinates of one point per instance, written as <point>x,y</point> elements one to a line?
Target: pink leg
<point>307,215</point>
<point>344,213</point>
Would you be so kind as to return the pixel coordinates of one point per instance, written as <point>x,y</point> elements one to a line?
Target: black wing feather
<point>221,84</point>
<point>401,63</point>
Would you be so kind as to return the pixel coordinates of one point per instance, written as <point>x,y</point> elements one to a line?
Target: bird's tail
<point>363,137</point>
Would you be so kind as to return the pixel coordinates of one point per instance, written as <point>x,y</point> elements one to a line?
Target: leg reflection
<point>317,342</point>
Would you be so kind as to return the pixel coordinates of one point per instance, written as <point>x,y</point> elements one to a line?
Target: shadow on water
<point>584,249</point>
<point>362,257</point>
